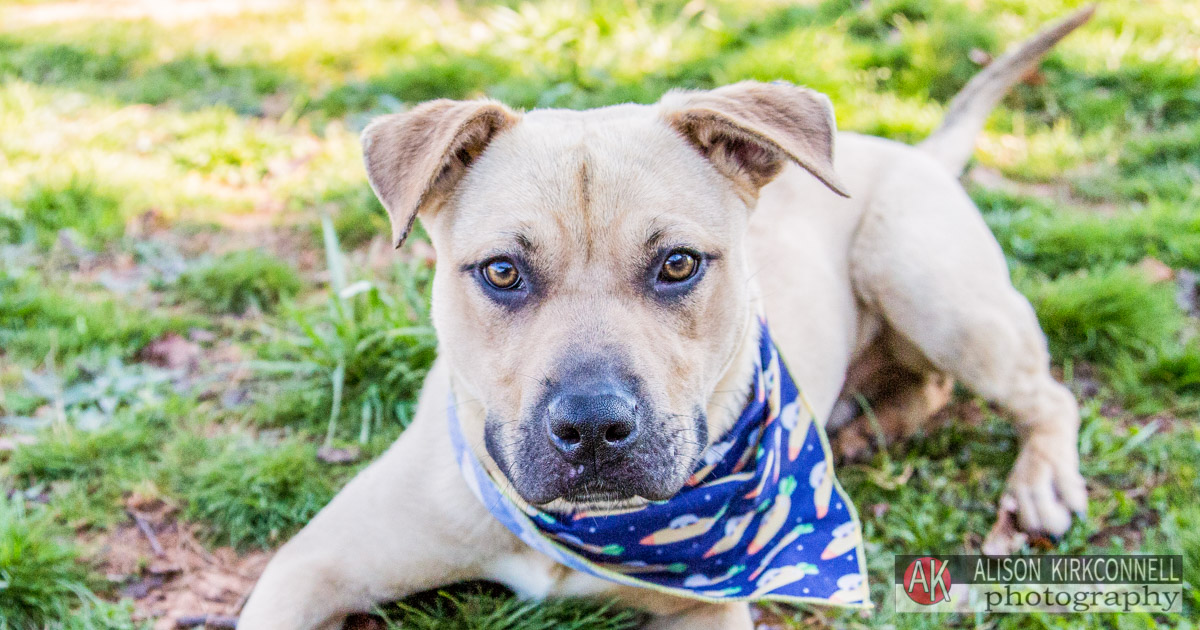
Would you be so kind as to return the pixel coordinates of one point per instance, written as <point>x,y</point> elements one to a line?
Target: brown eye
<point>679,266</point>
<point>502,274</point>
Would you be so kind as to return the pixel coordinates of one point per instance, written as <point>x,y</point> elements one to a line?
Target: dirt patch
<point>169,574</point>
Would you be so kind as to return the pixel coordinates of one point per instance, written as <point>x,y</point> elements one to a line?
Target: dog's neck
<point>732,390</point>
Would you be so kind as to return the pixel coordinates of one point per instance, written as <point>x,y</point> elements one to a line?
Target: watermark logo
<point>927,581</point>
<point>1055,584</point>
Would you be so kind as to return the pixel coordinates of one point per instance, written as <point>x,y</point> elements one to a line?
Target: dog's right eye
<point>502,274</point>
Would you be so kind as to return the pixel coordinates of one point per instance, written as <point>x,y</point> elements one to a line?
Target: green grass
<point>78,204</point>
<point>251,494</point>
<point>160,176</point>
<point>362,355</point>
<point>464,609</point>
<point>238,281</point>
<point>41,579</point>
<point>75,454</point>
<point>40,317</point>
<point>1101,316</point>
<point>1056,240</point>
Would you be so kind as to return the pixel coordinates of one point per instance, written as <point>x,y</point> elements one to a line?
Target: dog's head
<point>592,286</point>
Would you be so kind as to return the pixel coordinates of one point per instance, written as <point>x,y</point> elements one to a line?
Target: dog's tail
<point>953,142</point>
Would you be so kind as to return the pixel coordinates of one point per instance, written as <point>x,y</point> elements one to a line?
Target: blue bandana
<point>762,517</point>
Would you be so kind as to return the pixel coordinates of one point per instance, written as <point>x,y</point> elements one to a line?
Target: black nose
<point>598,424</point>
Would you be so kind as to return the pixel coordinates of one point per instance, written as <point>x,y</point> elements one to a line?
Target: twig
<point>148,532</point>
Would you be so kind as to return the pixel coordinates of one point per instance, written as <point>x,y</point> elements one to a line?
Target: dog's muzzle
<point>592,438</point>
<point>593,422</point>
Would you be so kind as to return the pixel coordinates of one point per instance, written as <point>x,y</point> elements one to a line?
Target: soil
<point>169,574</point>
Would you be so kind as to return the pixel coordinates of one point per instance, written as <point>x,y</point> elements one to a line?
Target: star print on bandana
<point>761,518</point>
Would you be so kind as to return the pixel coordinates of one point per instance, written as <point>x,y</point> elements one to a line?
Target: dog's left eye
<point>680,265</point>
<point>502,274</point>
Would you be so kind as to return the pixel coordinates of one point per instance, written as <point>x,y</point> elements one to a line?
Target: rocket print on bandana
<point>762,516</point>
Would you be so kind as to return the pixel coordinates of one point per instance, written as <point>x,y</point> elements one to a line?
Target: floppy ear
<point>414,159</point>
<point>748,130</point>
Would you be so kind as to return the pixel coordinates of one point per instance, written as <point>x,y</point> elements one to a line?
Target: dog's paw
<point>1047,487</point>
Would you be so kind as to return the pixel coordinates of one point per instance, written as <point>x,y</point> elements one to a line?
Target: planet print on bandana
<point>761,518</point>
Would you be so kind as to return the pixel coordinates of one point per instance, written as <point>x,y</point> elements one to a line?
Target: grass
<point>75,454</point>
<point>237,281</point>
<point>39,319</point>
<point>479,608</point>
<point>363,354</point>
<point>78,204</point>
<point>1103,316</point>
<point>201,178</point>
<point>251,493</point>
<point>41,580</point>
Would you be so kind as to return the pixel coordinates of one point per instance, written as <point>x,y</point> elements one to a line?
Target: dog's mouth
<point>591,504</point>
<point>544,480</point>
<point>600,493</point>
<point>608,487</point>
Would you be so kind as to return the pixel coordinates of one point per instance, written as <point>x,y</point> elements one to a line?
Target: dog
<point>600,278</point>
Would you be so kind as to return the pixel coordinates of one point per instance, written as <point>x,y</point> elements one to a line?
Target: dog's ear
<point>749,130</point>
<point>414,159</point>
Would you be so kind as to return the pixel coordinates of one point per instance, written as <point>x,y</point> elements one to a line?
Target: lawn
<point>204,333</point>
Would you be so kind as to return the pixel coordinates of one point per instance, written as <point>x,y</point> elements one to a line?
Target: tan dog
<point>599,278</point>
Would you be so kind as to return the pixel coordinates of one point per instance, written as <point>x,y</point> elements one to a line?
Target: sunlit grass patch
<point>136,63</point>
<point>925,47</point>
<point>1055,239</point>
<point>80,204</point>
<point>237,281</point>
<point>1029,151</point>
<point>1150,166</point>
<point>1105,315</point>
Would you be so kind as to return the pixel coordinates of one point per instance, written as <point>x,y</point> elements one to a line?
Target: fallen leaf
<point>172,351</point>
<point>1156,270</point>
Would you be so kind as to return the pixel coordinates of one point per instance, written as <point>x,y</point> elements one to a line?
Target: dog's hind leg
<point>925,261</point>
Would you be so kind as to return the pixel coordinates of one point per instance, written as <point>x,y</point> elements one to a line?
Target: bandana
<point>761,518</point>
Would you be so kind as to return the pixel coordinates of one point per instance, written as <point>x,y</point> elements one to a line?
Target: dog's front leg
<point>405,524</point>
<point>732,616</point>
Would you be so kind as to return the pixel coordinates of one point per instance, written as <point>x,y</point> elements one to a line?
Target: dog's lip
<point>595,504</point>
